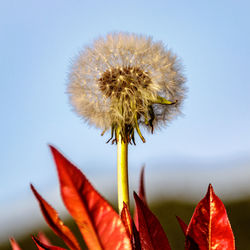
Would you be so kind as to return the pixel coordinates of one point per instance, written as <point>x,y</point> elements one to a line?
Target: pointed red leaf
<point>14,244</point>
<point>130,227</point>
<point>209,227</point>
<point>182,224</point>
<point>43,238</point>
<point>100,225</point>
<point>142,195</point>
<point>126,219</point>
<point>152,235</point>
<point>43,246</point>
<point>55,222</point>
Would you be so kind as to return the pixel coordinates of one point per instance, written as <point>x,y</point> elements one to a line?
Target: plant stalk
<point>122,172</point>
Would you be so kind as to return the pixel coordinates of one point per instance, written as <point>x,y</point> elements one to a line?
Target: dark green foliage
<point>239,216</point>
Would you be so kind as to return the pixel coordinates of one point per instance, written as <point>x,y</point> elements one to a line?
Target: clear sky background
<point>209,143</point>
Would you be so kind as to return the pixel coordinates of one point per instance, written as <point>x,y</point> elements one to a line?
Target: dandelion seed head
<point>125,81</point>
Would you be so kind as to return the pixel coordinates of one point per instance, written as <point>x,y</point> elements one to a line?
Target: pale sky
<point>38,40</point>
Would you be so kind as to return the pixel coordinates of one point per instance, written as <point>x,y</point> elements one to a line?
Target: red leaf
<point>151,233</point>
<point>126,219</point>
<point>42,246</point>
<point>130,227</point>
<point>43,238</point>
<point>142,195</point>
<point>182,224</point>
<point>55,222</point>
<point>209,227</point>
<point>100,225</point>
<point>14,244</point>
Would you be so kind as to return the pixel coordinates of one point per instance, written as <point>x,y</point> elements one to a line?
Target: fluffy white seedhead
<point>125,81</point>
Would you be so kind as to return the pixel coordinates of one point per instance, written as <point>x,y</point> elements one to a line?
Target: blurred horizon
<point>209,143</point>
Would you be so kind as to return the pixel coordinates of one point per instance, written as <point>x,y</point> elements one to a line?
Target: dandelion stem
<point>122,172</point>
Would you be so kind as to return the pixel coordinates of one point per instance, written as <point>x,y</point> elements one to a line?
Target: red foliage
<point>100,225</point>
<point>55,222</point>
<point>142,195</point>
<point>102,228</point>
<point>182,224</point>
<point>14,244</point>
<point>127,221</point>
<point>42,246</point>
<point>142,192</point>
<point>130,227</point>
<point>209,227</point>
<point>43,238</point>
<point>152,235</point>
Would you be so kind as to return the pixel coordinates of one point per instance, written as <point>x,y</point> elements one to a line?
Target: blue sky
<point>38,40</point>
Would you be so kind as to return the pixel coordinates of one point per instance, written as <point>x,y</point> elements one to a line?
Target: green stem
<point>122,172</point>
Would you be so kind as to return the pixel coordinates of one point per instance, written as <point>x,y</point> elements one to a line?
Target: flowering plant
<point>122,83</point>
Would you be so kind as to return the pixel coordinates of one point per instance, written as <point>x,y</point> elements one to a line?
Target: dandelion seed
<point>124,82</point>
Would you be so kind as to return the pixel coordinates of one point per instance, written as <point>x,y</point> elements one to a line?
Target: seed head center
<point>123,81</point>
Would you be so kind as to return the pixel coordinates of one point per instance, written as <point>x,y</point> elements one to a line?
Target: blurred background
<point>210,143</point>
